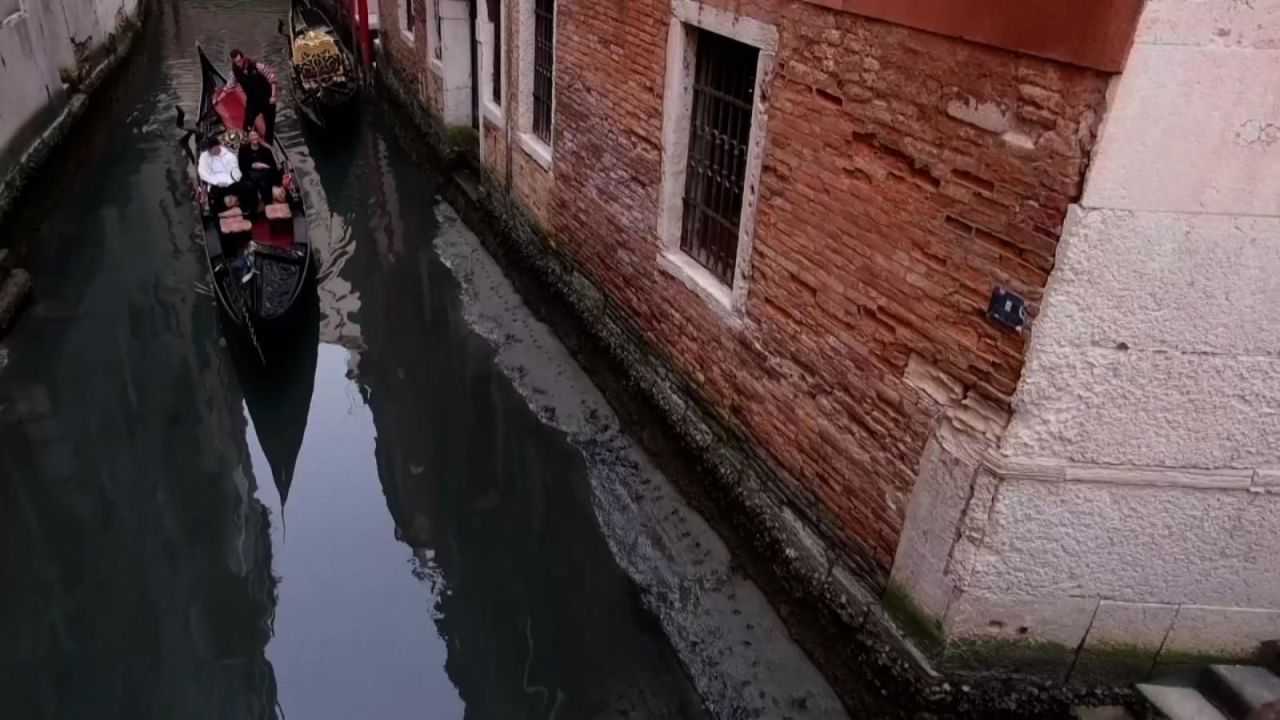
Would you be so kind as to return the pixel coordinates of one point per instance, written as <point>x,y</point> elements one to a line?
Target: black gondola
<point>321,66</point>
<point>259,266</point>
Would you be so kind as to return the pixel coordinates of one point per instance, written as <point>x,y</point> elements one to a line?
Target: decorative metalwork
<point>720,127</point>
<point>544,12</point>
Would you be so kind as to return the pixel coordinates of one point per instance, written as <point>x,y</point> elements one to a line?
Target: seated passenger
<point>221,171</point>
<point>259,166</point>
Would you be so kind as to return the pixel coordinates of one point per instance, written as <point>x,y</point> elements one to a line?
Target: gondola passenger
<point>259,166</point>
<point>221,170</point>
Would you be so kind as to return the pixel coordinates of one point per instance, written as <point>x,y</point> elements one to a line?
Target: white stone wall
<point>1133,502</point>
<point>36,41</point>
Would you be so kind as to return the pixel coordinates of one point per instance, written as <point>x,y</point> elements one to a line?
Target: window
<point>495,59</point>
<point>719,133</point>
<point>713,128</point>
<point>543,67</point>
<point>436,35</point>
<point>406,18</point>
<point>9,7</point>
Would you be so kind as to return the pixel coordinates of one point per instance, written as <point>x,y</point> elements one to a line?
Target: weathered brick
<point>883,223</point>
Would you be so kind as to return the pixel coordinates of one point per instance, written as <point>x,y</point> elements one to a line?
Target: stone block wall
<point>1127,519</point>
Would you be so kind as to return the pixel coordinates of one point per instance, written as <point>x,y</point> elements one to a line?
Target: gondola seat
<point>233,224</point>
<point>279,211</point>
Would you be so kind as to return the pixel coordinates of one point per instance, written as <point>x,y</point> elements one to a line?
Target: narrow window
<point>436,29</point>
<point>543,67</point>
<point>9,7</point>
<point>495,66</point>
<point>720,127</point>
<point>406,7</point>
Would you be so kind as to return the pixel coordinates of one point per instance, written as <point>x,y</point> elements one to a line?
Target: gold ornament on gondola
<point>233,138</point>
<point>318,59</point>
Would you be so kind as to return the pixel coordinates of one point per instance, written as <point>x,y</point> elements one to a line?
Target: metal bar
<point>720,127</point>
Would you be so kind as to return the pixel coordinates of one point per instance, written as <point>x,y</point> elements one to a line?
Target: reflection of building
<point>143,558</point>
<point>136,557</point>
<point>496,505</point>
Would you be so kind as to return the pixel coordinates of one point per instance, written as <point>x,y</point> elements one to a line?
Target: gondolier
<point>258,81</point>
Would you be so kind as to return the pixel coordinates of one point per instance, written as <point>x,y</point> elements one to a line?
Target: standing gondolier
<point>258,81</point>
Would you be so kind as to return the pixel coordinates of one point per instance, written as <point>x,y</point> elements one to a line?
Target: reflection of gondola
<point>278,397</point>
<point>322,68</point>
<point>259,266</point>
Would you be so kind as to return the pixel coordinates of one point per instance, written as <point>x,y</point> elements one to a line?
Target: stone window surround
<point>434,50</point>
<point>689,16</point>
<point>531,144</point>
<point>402,19</point>
<point>491,107</point>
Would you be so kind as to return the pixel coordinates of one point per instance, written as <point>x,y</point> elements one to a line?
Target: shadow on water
<point>443,557</point>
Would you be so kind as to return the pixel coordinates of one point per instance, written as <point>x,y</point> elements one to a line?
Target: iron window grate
<point>495,15</point>
<point>720,129</point>
<point>439,29</point>
<point>543,67</point>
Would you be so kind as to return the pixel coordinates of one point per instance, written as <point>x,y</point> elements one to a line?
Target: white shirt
<point>221,169</point>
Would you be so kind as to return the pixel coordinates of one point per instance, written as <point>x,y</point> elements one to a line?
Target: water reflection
<point>137,561</point>
<point>438,555</point>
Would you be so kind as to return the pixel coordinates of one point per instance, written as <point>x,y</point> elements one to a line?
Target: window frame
<point>406,19</point>
<point>689,18</point>
<point>535,147</point>
<point>492,63</point>
<point>435,41</point>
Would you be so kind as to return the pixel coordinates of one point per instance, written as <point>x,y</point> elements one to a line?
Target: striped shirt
<point>263,69</point>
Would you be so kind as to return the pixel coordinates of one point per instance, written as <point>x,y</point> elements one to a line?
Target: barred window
<point>495,17</point>
<point>543,67</point>
<point>406,7</point>
<point>720,128</point>
<point>437,35</point>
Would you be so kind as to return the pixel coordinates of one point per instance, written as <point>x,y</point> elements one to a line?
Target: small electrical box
<point>1007,309</point>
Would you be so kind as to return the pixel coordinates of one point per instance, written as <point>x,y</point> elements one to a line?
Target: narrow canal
<point>404,526</point>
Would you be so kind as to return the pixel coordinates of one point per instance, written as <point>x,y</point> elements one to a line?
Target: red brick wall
<point>883,224</point>
<point>410,58</point>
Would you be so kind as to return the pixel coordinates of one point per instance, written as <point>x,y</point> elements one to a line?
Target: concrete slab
<point>1242,688</point>
<point>1180,703</point>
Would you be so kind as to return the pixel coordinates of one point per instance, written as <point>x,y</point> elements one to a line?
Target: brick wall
<point>905,174</point>
<point>410,58</point>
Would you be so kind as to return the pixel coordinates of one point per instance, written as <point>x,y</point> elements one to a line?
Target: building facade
<point>987,302</point>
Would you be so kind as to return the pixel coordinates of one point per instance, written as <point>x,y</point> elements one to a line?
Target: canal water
<point>387,530</point>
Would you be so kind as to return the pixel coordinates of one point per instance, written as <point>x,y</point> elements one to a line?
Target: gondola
<point>259,266</point>
<point>322,68</point>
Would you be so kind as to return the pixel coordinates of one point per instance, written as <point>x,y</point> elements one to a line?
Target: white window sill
<point>408,36</point>
<point>437,67</point>
<point>536,149</point>
<point>492,113</point>
<point>700,280</point>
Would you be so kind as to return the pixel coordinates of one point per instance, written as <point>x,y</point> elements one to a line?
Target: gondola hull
<point>261,273</point>
<point>322,68</point>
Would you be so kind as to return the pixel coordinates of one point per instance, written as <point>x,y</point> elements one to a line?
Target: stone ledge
<point>116,49</point>
<point>1051,470</point>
